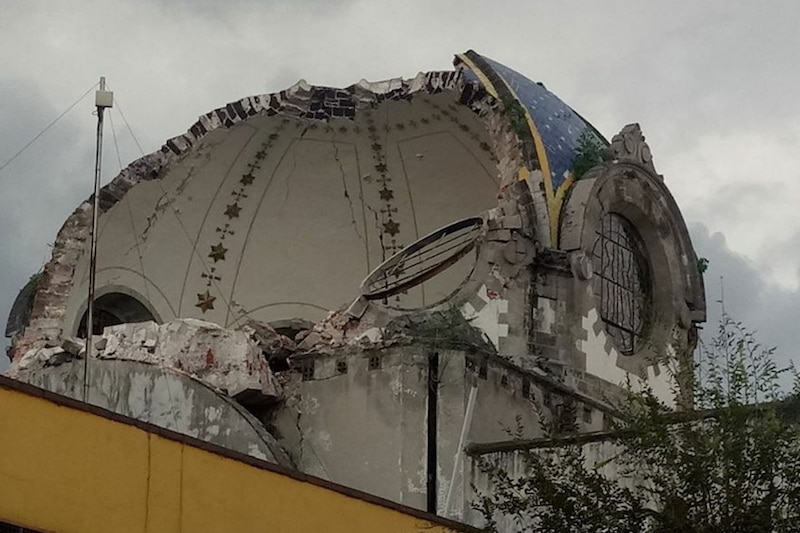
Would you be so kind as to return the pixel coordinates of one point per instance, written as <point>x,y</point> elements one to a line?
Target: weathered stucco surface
<point>264,219</point>
<point>360,417</point>
<point>164,398</point>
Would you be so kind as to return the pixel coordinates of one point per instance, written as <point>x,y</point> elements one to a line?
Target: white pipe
<point>473,393</point>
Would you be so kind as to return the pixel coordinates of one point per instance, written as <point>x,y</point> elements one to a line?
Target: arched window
<point>112,309</point>
<point>622,282</point>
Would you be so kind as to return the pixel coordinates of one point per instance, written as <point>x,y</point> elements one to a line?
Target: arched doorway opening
<point>112,309</point>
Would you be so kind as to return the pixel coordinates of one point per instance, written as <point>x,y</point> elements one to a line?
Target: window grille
<point>374,362</point>
<point>622,281</point>
<point>305,367</point>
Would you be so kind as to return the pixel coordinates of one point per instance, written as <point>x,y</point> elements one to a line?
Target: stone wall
<point>359,417</point>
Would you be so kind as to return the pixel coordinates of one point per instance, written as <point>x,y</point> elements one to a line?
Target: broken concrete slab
<point>226,359</point>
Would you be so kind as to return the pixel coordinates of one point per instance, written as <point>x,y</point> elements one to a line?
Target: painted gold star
<point>381,167</point>
<point>391,227</point>
<point>247,179</point>
<point>261,154</point>
<point>233,211</point>
<point>217,252</point>
<point>386,194</point>
<point>377,147</point>
<point>205,301</point>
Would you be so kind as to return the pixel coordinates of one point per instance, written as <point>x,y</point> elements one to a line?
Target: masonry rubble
<point>232,360</point>
<point>228,360</point>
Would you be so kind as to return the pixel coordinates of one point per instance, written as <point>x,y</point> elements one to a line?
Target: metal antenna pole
<point>102,100</point>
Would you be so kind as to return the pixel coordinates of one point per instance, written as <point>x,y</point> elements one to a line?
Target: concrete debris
<point>273,345</point>
<point>228,360</point>
<point>310,339</point>
<point>73,346</point>
<point>36,357</point>
<point>371,335</point>
<point>339,329</point>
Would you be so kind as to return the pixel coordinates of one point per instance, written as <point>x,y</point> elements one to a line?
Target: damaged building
<point>368,284</point>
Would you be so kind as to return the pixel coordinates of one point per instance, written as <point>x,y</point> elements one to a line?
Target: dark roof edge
<point>25,388</point>
<point>787,408</point>
<point>482,448</point>
<point>553,384</point>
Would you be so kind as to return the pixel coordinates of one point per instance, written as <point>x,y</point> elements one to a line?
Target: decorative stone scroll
<point>629,146</point>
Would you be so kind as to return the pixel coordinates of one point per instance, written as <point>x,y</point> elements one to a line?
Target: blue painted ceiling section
<point>559,126</point>
<point>469,76</point>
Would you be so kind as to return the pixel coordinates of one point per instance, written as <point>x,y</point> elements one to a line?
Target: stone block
<point>225,359</point>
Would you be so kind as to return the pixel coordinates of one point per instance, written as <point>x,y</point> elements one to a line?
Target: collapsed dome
<point>279,208</point>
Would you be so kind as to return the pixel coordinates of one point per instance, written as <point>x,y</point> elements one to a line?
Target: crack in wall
<point>378,226</point>
<point>157,211</point>
<point>301,433</point>
<point>185,181</point>
<point>346,192</point>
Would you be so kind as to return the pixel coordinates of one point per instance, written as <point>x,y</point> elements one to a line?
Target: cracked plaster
<point>524,290</point>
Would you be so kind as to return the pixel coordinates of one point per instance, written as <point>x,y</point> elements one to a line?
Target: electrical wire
<point>36,138</point>
<point>125,120</point>
<point>130,214</point>
<point>175,212</point>
<point>114,135</point>
<point>161,363</point>
<point>118,107</point>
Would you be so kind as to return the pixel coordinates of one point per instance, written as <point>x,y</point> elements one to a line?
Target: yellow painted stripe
<point>541,154</point>
<point>481,76</point>
<point>554,198</point>
<point>555,209</point>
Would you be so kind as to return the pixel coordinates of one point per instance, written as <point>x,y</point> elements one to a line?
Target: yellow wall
<point>63,469</point>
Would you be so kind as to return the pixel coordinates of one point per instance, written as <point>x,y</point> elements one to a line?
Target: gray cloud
<point>40,188</point>
<point>747,295</point>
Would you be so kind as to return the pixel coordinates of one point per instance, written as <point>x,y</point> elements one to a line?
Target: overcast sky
<point>713,85</point>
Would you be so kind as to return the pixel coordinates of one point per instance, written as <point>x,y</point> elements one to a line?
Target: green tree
<point>730,464</point>
<point>588,153</point>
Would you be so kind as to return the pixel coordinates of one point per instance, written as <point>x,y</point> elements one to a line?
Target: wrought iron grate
<point>623,282</point>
